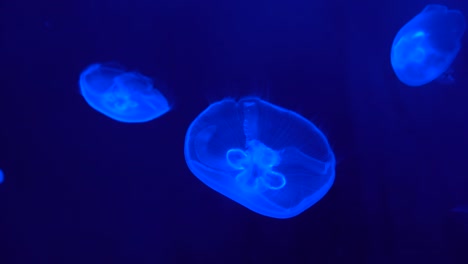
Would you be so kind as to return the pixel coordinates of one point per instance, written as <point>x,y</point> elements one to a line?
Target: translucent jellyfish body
<point>267,158</point>
<point>123,96</point>
<point>426,46</point>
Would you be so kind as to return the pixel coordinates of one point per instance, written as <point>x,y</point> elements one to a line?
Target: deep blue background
<point>82,188</point>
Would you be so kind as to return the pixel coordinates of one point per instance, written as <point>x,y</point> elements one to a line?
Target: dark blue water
<point>82,188</point>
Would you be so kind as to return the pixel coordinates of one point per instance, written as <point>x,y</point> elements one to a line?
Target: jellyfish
<point>1,176</point>
<point>426,46</point>
<point>268,159</point>
<point>124,96</point>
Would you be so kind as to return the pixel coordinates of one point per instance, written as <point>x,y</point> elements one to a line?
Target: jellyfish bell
<point>426,46</point>
<point>267,158</point>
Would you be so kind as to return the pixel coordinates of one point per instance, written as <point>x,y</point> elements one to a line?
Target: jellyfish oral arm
<point>256,167</point>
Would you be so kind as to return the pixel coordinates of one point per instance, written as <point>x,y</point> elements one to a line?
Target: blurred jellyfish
<point>2,176</point>
<point>426,46</point>
<point>460,209</point>
<point>267,158</point>
<point>123,96</point>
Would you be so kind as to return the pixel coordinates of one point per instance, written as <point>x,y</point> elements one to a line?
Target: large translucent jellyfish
<point>267,158</point>
<point>123,96</point>
<point>426,46</point>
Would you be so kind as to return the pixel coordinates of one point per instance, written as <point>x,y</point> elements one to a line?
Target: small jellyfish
<point>2,176</point>
<point>266,158</point>
<point>460,209</point>
<point>123,96</point>
<point>426,46</point>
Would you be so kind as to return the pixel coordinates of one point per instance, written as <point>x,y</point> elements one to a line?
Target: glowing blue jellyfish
<point>426,46</point>
<point>267,158</point>
<point>1,176</point>
<point>124,96</point>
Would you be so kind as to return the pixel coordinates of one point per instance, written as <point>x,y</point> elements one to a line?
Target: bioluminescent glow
<point>267,158</point>
<point>460,209</point>
<point>2,176</point>
<point>123,96</point>
<point>426,46</point>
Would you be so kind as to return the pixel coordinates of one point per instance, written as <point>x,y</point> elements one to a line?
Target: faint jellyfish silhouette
<point>2,176</point>
<point>267,158</point>
<point>426,46</point>
<point>121,95</point>
<point>460,209</point>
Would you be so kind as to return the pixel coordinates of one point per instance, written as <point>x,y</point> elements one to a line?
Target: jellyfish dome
<point>123,96</point>
<point>426,46</point>
<point>266,158</point>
